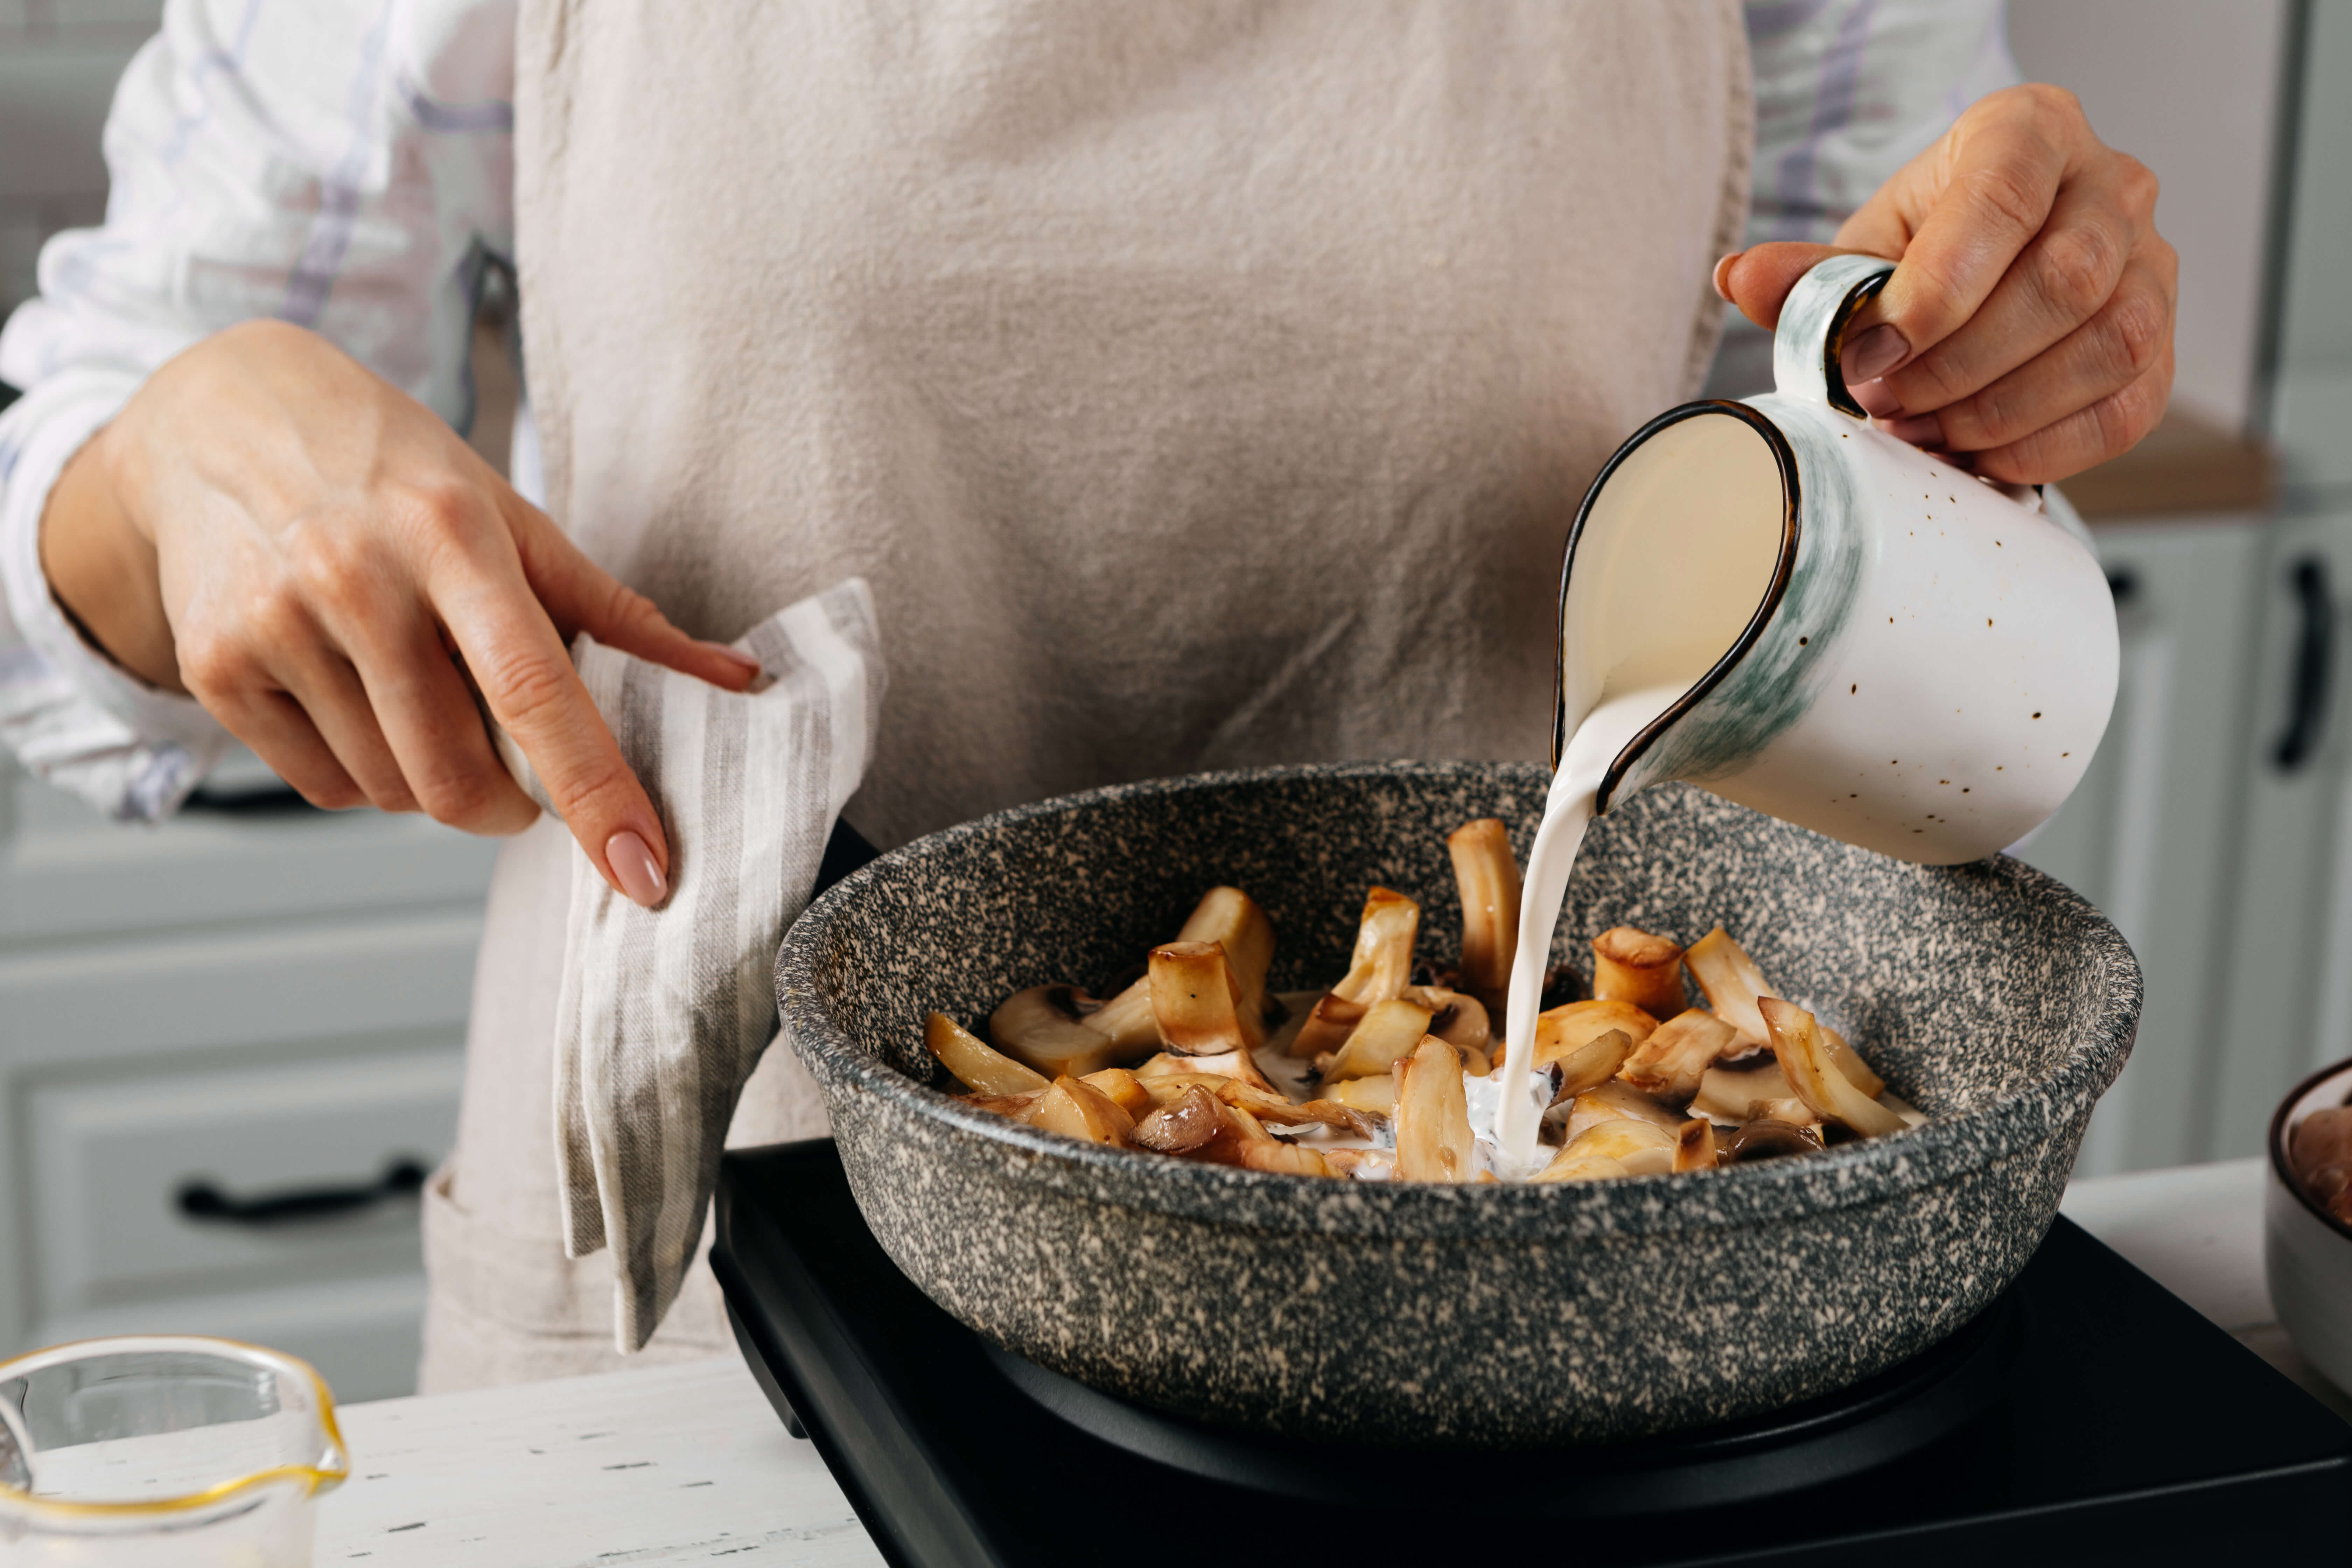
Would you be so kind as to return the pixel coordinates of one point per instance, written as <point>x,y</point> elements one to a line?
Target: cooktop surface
<point>2086,1416</point>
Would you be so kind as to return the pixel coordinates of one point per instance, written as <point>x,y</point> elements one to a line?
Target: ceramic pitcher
<point>1879,645</point>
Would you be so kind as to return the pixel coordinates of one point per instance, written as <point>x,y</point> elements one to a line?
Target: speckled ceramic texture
<point>1988,994</point>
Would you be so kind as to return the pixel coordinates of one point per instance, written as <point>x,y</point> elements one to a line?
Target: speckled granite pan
<point>1988,994</point>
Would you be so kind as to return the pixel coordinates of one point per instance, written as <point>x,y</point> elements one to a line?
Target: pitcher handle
<point>1811,332</point>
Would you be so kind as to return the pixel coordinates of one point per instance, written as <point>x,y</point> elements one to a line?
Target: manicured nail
<point>635,869</point>
<point>1877,399</point>
<point>1723,275</point>
<point>1873,354</point>
<point>1919,430</point>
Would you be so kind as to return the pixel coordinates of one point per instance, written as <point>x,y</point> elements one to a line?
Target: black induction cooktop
<point>2087,1416</point>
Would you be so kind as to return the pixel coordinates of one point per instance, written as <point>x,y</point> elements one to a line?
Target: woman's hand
<point>2028,327</point>
<point>319,561</point>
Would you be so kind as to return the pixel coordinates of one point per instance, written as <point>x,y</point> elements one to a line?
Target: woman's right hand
<point>314,555</point>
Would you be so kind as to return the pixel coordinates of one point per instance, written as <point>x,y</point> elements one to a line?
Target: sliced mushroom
<point>1744,1090</point>
<point>1630,964</point>
<point>1284,1159</point>
<point>1267,1105</point>
<point>1638,1148</point>
<point>1671,1063</point>
<point>1487,875</point>
<point>1125,1088</point>
<point>1559,1032</point>
<point>1017,1107</point>
<point>973,1064</point>
<point>1694,1146</point>
<point>1582,1168</point>
<point>1735,987</point>
<point>1804,1053</point>
<point>1458,1018</point>
<point>1240,1066</point>
<point>1197,1001</point>
<point>1183,1125</point>
<point>1043,1027</point>
<point>1765,1138</point>
<point>1433,1143</point>
<point>1382,968</point>
<point>1231,919</point>
<point>1617,1101</point>
<point>1591,1064</point>
<point>1081,1111</point>
<point>1371,1096</point>
<point>1388,1034</point>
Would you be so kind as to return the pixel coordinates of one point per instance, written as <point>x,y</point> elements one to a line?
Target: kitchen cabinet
<point>230,1044</point>
<point>2149,834</point>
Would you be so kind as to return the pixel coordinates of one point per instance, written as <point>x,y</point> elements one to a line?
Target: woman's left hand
<point>2028,329</point>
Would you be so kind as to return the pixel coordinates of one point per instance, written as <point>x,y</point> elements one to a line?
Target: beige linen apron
<point>1197,384</point>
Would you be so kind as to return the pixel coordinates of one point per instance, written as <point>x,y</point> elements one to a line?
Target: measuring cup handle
<point>1812,328</point>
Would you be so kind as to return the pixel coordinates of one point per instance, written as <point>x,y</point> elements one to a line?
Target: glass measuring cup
<point>199,1453</point>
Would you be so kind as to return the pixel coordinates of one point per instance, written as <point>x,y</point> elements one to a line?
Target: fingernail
<point>1723,275</point>
<point>1919,430</point>
<point>1877,399</point>
<point>1873,354</point>
<point>736,657</point>
<point>635,869</point>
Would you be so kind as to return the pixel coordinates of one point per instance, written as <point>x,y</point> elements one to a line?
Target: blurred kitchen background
<point>229,1046</point>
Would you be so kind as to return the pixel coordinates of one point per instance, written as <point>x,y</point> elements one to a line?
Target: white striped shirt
<point>347,165</point>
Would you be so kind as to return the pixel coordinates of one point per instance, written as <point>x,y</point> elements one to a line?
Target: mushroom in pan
<point>1045,1027</point>
<point>1562,1030</point>
<point>1750,1087</point>
<point>1239,1066</point>
<point>1231,919</point>
<point>1433,1143</point>
<point>1618,1146</point>
<point>1458,1018</point>
<point>1735,987</point>
<point>1182,1125</point>
<point>1487,875</point>
<point>1386,1036</point>
<point>973,1064</point>
<point>1672,1063</point>
<point>1617,1101</point>
<point>1591,1064</point>
<point>1630,964</point>
<point>1081,1111</point>
<point>1765,1138</point>
<point>1198,1001</point>
<point>1695,1147</point>
<point>1804,1053</point>
<point>1379,971</point>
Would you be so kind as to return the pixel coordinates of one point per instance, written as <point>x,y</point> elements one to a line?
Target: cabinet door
<point>2148,836</point>
<point>2286,976</point>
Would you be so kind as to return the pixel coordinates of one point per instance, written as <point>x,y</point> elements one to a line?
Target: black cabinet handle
<point>2314,666</point>
<point>199,1199</point>
<point>2123,584</point>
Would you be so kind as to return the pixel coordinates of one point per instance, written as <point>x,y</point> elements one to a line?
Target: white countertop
<point>687,1464</point>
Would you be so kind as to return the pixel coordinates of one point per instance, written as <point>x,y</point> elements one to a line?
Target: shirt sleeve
<point>343,164</point>
<point>1848,91</point>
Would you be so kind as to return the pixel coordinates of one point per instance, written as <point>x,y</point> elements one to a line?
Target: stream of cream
<point>1518,1117</point>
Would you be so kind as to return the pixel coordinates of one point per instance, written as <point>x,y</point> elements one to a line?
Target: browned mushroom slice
<point>1126,1088</point>
<point>1197,1001</point>
<point>1487,875</point>
<point>1364,1162</point>
<point>1591,1064</point>
<point>1378,972</point>
<point>1804,1056</point>
<point>1458,1018</point>
<point>1694,1146</point>
<point>1237,1065</point>
<point>1043,1027</point>
<point>1617,1101</point>
<point>1015,1106</point>
<point>1183,1125</point>
<point>1635,1148</point>
<point>1231,919</point>
<point>1630,964</point>
<point>1671,1063</point>
<point>1433,1143</point>
<point>1560,1031</point>
<point>973,1064</point>
<point>1371,1096</point>
<point>1765,1138</point>
<point>1285,1159</point>
<point>1387,1035</point>
<point>1752,1087</point>
<point>1734,986</point>
<point>1081,1111</point>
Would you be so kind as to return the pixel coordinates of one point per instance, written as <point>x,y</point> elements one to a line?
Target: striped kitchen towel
<point>665,1012</point>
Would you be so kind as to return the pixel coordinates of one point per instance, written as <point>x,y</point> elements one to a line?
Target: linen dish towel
<point>664,1013</point>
